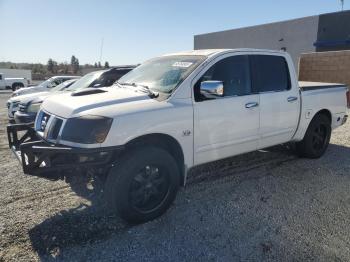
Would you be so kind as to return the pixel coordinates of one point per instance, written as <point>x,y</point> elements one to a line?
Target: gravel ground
<point>262,206</point>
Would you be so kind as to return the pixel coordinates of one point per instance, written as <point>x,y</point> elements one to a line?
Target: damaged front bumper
<point>43,159</point>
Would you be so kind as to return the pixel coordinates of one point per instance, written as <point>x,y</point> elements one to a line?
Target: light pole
<point>342,5</point>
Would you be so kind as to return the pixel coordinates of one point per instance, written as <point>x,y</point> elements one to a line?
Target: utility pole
<point>342,5</point>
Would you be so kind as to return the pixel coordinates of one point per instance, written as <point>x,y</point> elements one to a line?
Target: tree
<point>99,65</point>
<point>106,64</point>
<point>74,62</point>
<point>51,65</point>
<point>95,65</point>
<point>55,66</point>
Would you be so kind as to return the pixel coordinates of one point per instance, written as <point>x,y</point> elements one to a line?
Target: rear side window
<point>269,73</point>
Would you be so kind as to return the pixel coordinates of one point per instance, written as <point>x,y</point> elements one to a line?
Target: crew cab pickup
<point>12,83</point>
<point>175,112</point>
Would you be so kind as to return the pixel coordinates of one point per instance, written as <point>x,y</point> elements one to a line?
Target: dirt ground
<point>262,206</point>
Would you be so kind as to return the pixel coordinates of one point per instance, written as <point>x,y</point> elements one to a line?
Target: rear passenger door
<point>279,102</point>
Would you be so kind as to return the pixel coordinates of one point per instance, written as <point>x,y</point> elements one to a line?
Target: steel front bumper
<point>42,159</point>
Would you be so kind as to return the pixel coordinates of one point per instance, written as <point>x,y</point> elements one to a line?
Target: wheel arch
<point>305,123</point>
<point>326,113</point>
<point>164,141</point>
<point>17,84</point>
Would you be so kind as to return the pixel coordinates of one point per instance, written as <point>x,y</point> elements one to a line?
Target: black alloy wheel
<point>143,184</point>
<point>149,188</point>
<point>316,139</point>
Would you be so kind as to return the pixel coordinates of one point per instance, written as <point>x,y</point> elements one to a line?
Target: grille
<point>23,107</point>
<point>15,104</point>
<point>48,125</point>
<point>44,119</point>
<point>54,128</point>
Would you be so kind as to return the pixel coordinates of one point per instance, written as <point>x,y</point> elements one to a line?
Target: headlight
<point>87,129</point>
<point>34,107</point>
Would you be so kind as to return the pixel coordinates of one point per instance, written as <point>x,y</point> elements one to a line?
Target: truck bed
<point>306,86</point>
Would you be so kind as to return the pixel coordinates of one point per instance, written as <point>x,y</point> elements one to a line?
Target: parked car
<point>173,113</point>
<point>14,102</point>
<point>44,86</point>
<point>12,83</point>
<point>30,104</point>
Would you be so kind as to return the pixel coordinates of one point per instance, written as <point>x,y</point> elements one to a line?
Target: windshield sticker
<point>182,64</point>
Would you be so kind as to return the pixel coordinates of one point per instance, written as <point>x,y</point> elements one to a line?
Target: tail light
<point>348,98</point>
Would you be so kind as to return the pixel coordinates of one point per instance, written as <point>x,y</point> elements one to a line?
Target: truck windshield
<point>85,81</point>
<point>162,74</point>
<point>63,85</point>
<point>45,83</point>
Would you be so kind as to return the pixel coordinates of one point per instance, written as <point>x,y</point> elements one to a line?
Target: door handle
<point>292,99</point>
<point>251,104</point>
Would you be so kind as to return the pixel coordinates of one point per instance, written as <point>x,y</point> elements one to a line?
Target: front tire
<point>316,139</point>
<point>143,184</point>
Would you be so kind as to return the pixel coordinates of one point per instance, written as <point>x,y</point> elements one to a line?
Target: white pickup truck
<point>12,83</point>
<point>175,112</point>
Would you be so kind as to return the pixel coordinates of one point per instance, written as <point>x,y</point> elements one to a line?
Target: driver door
<point>227,125</point>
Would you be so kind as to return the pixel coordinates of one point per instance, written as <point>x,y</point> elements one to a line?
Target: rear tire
<point>316,139</point>
<point>17,86</point>
<point>143,184</point>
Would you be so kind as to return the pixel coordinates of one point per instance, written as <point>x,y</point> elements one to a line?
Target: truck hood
<point>27,97</point>
<point>68,105</point>
<point>29,90</point>
<point>33,97</point>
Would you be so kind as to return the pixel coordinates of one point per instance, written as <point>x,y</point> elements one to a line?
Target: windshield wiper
<point>143,88</point>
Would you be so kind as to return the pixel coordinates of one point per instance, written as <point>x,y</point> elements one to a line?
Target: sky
<point>132,30</point>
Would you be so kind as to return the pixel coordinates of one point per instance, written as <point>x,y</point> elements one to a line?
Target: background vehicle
<point>28,113</point>
<point>12,83</point>
<point>30,105</point>
<point>173,113</point>
<point>44,86</point>
<point>17,73</point>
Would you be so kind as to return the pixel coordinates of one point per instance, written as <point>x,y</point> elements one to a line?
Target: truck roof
<point>211,52</point>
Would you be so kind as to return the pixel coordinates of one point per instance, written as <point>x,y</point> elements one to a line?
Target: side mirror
<point>212,89</point>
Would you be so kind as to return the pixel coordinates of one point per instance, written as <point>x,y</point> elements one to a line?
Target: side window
<point>233,72</point>
<point>269,73</point>
<point>111,78</point>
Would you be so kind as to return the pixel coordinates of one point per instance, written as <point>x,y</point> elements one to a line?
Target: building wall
<point>297,36</point>
<point>331,67</point>
<point>334,31</point>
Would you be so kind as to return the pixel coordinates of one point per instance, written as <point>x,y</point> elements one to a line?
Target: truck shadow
<point>90,224</point>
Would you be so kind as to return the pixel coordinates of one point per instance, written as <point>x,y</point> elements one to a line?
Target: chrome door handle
<point>251,105</point>
<point>292,99</point>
